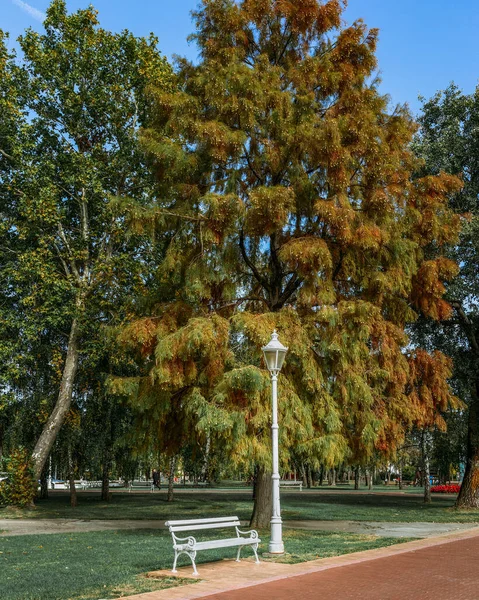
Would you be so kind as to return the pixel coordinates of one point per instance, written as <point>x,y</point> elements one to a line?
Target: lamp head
<point>274,353</point>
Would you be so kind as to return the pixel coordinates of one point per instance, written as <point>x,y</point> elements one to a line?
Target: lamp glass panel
<point>280,359</point>
<point>270,358</point>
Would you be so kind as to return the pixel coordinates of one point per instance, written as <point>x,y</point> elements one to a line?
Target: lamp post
<point>274,354</point>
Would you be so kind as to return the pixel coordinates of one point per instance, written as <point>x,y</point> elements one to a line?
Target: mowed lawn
<point>309,505</point>
<point>108,564</point>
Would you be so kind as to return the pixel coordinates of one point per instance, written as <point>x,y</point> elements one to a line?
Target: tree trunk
<point>105,476</point>
<point>44,485</point>
<point>426,467</point>
<point>263,502</point>
<point>55,421</point>
<point>469,493</point>
<point>309,476</point>
<point>333,477</point>
<point>171,479</point>
<point>356,478</point>
<point>321,476</point>
<point>303,475</point>
<point>71,479</point>
<point>206,461</point>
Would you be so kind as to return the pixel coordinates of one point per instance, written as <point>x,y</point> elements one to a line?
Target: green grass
<point>307,505</point>
<point>89,566</point>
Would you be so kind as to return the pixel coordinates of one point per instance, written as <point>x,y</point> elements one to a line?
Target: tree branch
<point>259,278</point>
<point>467,324</point>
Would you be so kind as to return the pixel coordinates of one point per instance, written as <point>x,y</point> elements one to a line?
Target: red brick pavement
<point>443,572</point>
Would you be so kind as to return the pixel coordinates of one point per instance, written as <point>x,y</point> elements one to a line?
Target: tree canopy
<point>448,140</point>
<point>287,188</point>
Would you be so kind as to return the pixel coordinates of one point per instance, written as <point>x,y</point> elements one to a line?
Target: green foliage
<point>20,487</point>
<point>70,173</point>
<point>448,140</point>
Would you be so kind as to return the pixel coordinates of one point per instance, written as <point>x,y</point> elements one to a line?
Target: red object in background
<point>452,488</point>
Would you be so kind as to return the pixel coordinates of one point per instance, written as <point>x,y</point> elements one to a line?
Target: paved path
<point>9,527</point>
<point>444,567</point>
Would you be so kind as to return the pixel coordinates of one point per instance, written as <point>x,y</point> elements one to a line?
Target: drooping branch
<point>259,278</point>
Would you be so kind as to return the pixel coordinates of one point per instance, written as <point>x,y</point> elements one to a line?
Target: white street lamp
<point>274,354</point>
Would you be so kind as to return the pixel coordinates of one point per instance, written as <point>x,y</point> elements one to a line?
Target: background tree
<point>449,140</point>
<point>288,186</point>
<point>73,267</point>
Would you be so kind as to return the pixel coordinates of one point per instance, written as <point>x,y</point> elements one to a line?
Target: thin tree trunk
<point>55,421</point>
<point>171,479</point>
<point>206,461</point>
<point>71,479</point>
<point>105,476</point>
<point>469,493</point>
<point>303,475</point>
<point>263,502</point>
<point>356,478</point>
<point>309,476</point>
<point>426,467</point>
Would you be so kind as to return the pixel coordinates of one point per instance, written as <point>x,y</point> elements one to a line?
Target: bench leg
<point>192,556</point>
<point>238,554</point>
<point>174,563</point>
<point>255,548</point>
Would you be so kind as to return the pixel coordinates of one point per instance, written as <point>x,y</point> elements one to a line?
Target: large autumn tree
<point>448,139</point>
<point>288,185</point>
<point>70,265</point>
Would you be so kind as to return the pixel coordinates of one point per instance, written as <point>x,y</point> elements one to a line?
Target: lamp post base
<point>276,548</point>
<point>276,545</point>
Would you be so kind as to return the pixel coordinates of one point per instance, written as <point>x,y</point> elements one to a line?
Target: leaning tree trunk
<point>55,421</point>
<point>44,485</point>
<point>469,492</point>
<point>263,501</point>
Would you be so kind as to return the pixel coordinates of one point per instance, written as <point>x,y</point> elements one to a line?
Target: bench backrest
<point>198,524</point>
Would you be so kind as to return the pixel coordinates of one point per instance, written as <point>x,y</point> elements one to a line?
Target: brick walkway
<point>444,567</point>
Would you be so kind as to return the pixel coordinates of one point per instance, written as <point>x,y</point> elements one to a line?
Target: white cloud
<point>33,12</point>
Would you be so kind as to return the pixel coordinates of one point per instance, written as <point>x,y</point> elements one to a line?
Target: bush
<point>20,488</point>
<point>446,489</point>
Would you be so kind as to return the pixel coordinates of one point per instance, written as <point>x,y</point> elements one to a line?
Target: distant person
<point>156,479</point>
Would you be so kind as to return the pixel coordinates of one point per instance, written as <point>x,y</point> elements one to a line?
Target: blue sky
<point>424,44</point>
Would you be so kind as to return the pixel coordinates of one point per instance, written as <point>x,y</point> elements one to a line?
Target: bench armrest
<point>252,533</point>
<point>190,539</point>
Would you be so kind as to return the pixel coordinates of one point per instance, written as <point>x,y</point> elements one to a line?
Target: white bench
<point>141,485</point>
<point>190,546</point>
<point>291,483</point>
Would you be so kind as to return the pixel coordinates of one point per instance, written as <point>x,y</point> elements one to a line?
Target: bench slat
<point>205,526</point>
<point>198,521</point>
<point>224,543</point>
